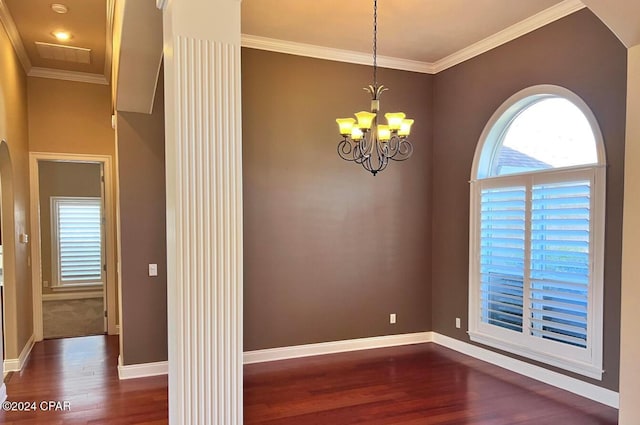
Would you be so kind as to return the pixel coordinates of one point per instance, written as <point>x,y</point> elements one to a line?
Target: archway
<point>10,305</point>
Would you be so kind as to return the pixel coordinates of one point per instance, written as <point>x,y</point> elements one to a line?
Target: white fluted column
<point>204,210</point>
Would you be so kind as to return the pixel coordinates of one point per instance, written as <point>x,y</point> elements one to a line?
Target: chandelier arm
<point>381,150</point>
<point>359,154</point>
<point>366,163</point>
<point>366,143</point>
<point>382,164</point>
<point>380,155</point>
<point>405,150</point>
<point>392,147</point>
<point>346,149</point>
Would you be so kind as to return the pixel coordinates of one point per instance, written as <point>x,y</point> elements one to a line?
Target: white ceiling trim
<point>526,26</point>
<point>329,53</point>
<point>547,16</point>
<point>58,74</point>
<point>14,36</point>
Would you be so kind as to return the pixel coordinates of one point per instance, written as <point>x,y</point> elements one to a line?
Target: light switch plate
<point>153,270</point>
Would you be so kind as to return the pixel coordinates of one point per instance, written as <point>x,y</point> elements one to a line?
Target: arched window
<point>537,231</point>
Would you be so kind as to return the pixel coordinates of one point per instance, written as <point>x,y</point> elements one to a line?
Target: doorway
<point>73,251</point>
<point>72,248</point>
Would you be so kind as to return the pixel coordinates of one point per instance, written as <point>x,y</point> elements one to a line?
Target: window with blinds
<point>502,256</point>
<point>77,254</point>
<point>558,273</point>
<point>560,240</point>
<point>537,232</point>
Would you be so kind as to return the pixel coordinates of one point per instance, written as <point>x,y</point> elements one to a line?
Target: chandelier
<point>366,142</point>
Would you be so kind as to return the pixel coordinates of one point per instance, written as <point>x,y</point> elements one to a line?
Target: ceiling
<point>419,30</point>
<point>424,31</point>
<point>29,22</point>
<point>85,19</point>
<point>420,35</point>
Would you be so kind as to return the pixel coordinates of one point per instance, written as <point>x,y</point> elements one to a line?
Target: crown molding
<point>14,36</point>
<point>519,29</point>
<point>58,74</point>
<point>547,16</point>
<point>329,53</point>
<point>526,26</point>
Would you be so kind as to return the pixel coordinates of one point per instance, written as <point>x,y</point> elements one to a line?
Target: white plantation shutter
<point>534,269</point>
<point>502,242</point>
<point>77,241</point>
<point>560,265</point>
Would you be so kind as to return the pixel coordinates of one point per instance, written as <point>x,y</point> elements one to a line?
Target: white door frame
<point>110,250</point>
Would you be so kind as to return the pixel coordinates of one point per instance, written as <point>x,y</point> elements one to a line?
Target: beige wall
<point>15,198</point>
<point>61,179</point>
<point>630,327</point>
<point>71,117</point>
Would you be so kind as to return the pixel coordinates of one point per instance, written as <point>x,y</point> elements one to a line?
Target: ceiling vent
<point>63,53</point>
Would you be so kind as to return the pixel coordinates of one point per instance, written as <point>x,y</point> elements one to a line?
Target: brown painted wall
<point>62,179</point>
<point>329,250</point>
<point>15,197</point>
<point>143,233</point>
<point>577,52</point>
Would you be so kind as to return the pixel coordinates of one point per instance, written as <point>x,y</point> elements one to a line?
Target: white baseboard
<point>576,386</point>
<point>16,365</point>
<point>306,350</point>
<point>161,368</point>
<point>142,370</point>
<point>558,380</point>
<point>3,393</point>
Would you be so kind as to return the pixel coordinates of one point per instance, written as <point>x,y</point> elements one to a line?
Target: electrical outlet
<point>153,270</point>
<point>458,322</point>
<point>392,318</point>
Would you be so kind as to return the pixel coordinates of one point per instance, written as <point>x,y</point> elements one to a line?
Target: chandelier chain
<point>375,43</point>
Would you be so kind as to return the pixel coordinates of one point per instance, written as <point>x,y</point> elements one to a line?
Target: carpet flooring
<point>71,318</point>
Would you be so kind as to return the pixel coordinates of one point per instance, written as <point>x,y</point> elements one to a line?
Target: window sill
<point>568,364</point>
<point>66,296</point>
<point>77,287</point>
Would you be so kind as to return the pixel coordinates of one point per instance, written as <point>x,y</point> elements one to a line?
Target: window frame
<point>56,281</point>
<point>585,361</point>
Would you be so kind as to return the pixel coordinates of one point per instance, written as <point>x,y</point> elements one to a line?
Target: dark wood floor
<point>84,372</point>
<point>411,385</point>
